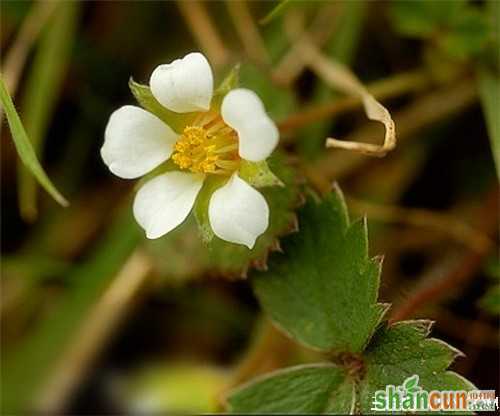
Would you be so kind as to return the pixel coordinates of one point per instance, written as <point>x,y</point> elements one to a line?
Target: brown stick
<point>16,57</point>
<point>201,26</point>
<point>291,65</point>
<point>394,86</point>
<point>100,323</point>
<point>248,31</point>
<point>424,111</point>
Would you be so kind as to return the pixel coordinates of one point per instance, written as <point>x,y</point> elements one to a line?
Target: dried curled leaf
<point>338,76</point>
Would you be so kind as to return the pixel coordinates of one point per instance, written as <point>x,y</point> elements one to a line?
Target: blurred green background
<point>95,319</point>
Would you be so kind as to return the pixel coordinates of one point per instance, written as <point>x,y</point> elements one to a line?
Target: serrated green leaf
<point>24,148</point>
<point>143,95</point>
<point>314,389</point>
<point>399,355</point>
<point>258,174</point>
<point>323,290</point>
<point>402,350</point>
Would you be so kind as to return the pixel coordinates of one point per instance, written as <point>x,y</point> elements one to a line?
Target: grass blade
<point>24,148</point>
<point>42,91</point>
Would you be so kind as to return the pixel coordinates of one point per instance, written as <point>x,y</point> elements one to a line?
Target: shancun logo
<point>410,397</point>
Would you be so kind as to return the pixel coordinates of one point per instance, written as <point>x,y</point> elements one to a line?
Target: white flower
<point>214,143</point>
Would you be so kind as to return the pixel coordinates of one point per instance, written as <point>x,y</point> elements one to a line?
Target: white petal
<point>165,201</point>
<point>184,85</point>
<point>135,142</point>
<point>243,110</point>
<point>238,213</point>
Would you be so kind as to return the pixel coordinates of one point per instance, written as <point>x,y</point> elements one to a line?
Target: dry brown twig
<point>292,65</point>
<point>201,26</point>
<point>248,31</point>
<point>16,57</point>
<point>393,86</point>
<point>340,77</point>
<point>100,323</point>
<point>422,112</point>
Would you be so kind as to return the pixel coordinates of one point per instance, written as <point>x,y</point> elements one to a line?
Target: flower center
<point>207,146</point>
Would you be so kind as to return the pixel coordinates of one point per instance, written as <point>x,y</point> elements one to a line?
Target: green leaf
<point>43,87</point>
<point>323,290</point>
<point>314,389</point>
<point>489,89</point>
<point>403,350</point>
<point>24,148</point>
<point>399,355</point>
<point>143,95</point>
<point>258,174</point>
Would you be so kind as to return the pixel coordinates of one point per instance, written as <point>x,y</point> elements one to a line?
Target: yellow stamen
<point>207,146</point>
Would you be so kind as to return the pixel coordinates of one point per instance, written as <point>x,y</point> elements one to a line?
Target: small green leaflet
<point>396,353</point>
<point>402,350</point>
<point>24,148</point>
<point>314,388</point>
<point>323,290</point>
